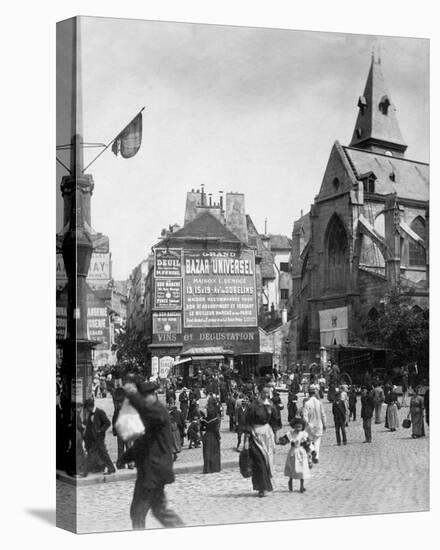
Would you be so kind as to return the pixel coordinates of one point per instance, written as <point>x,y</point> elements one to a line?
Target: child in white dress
<point>298,459</point>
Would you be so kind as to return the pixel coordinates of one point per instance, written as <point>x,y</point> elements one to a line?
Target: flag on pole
<point>128,142</point>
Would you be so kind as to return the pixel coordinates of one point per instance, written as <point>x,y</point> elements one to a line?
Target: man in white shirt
<point>314,415</point>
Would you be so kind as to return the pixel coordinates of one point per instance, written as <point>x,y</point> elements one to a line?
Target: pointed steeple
<point>376,126</point>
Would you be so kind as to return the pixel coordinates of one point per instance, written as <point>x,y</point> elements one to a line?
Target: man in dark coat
<point>240,419</point>
<point>153,456</point>
<point>178,419</point>
<point>367,410</point>
<point>340,418</point>
<point>94,438</point>
<point>184,403</point>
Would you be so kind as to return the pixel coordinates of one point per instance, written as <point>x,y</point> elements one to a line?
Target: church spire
<point>376,126</point>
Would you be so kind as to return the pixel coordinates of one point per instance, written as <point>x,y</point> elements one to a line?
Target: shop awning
<point>207,357</point>
<point>213,350</point>
<point>180,361</point>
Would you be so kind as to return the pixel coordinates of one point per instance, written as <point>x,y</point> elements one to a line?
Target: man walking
<point>240,419</point>
<point>314,415</point>
<point>379,398</point>
<point>340,418</point>
<point>94,438</point>
<point>153,456</point>
<point>367,409</point>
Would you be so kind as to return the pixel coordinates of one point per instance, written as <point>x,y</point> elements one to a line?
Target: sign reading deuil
<point>167,262</point>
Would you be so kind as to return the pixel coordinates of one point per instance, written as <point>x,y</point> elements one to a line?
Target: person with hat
<point>379,398</point>
<point>340,418</point>
<point>367,410</point>
<point>297,460</point>
<point>184,403</point>
<point>316,422</point>
<point>153,456</point>
<point>97,424</point>
<point>391,414</point>
<point>240,418</point>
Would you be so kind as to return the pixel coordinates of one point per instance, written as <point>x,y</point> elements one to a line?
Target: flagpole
<point>111,142</point>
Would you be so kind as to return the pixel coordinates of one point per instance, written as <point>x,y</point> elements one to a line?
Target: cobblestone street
<point>389,475</point>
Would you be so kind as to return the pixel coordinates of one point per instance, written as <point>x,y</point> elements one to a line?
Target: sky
<point>241,109</point>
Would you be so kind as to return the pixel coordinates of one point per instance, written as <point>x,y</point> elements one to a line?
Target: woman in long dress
<point>391,417</point>
<point>261,443</point>
<point>416,407</point>
<point>297,460</point>
<point>211,441</point>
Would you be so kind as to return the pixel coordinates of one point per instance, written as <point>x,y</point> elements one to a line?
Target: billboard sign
<point>167,262</point>
<point>167,327</point>
<point>219,289</point>
<point>239,340</point>
<point>99,269</point>
<point>168,294</point>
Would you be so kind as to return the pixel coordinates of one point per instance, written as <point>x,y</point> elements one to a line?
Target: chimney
<point>236,215</point>
<point>210,199</point>
<point>265,226</point>
<point>203,194</point>
<point>221,199</point>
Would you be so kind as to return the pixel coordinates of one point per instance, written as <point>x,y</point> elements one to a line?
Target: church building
<point>366,234</point>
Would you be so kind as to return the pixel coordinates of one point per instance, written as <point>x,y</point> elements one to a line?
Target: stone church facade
<point>366,234</point>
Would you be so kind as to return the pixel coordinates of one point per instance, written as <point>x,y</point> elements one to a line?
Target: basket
<point>406,423</point>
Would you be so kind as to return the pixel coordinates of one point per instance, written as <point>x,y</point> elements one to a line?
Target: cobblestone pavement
<point>389,475</point>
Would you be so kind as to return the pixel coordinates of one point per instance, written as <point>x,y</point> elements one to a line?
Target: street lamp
<point>287,344</point>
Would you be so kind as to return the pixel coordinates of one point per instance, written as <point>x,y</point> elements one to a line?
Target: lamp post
<point>287,344</point>
<point>77,248</point>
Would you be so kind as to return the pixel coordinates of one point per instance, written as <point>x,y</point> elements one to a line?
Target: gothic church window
<point>336,183</point>
<point>417,255</point>
<point>336,255</point>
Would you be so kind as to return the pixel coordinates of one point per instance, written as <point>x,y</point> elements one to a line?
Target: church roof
<point>408,178</point>
<point>204,227</point>
<point>377,122</point>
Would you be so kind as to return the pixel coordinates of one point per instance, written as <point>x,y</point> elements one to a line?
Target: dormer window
<point>368,181</point>
<point>384,105</point>
<point>362,104</point>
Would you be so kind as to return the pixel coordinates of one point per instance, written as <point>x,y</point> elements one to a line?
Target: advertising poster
<point>168,294</point>
<point>167,262</point>
<point>167,327</point>
<point>219,289</point>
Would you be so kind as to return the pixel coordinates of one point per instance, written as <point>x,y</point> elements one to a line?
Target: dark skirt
<point>260,472</point>
<point>211,453</point>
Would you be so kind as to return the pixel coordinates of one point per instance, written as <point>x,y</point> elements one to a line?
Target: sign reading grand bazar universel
<point>219,289</point>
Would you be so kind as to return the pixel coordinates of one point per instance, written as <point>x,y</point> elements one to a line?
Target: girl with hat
<point>297,461</point>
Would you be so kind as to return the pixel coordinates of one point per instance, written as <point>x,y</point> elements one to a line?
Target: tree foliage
<point>402,329</point>
<point>131,347</point>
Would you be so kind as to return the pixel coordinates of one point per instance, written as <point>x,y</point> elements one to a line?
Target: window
<point>384,105</point>
<point>368,182</point>
<point>337,255</point>
<point>284,294</point>
<point>358,132</point>
<point>362,104</point>
<point>336,183</point>
<point>284,267</point>
<point>417,255</point>
<point>373,315</point>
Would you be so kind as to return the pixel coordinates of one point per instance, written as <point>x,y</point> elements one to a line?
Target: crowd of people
<point>253,407</point>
